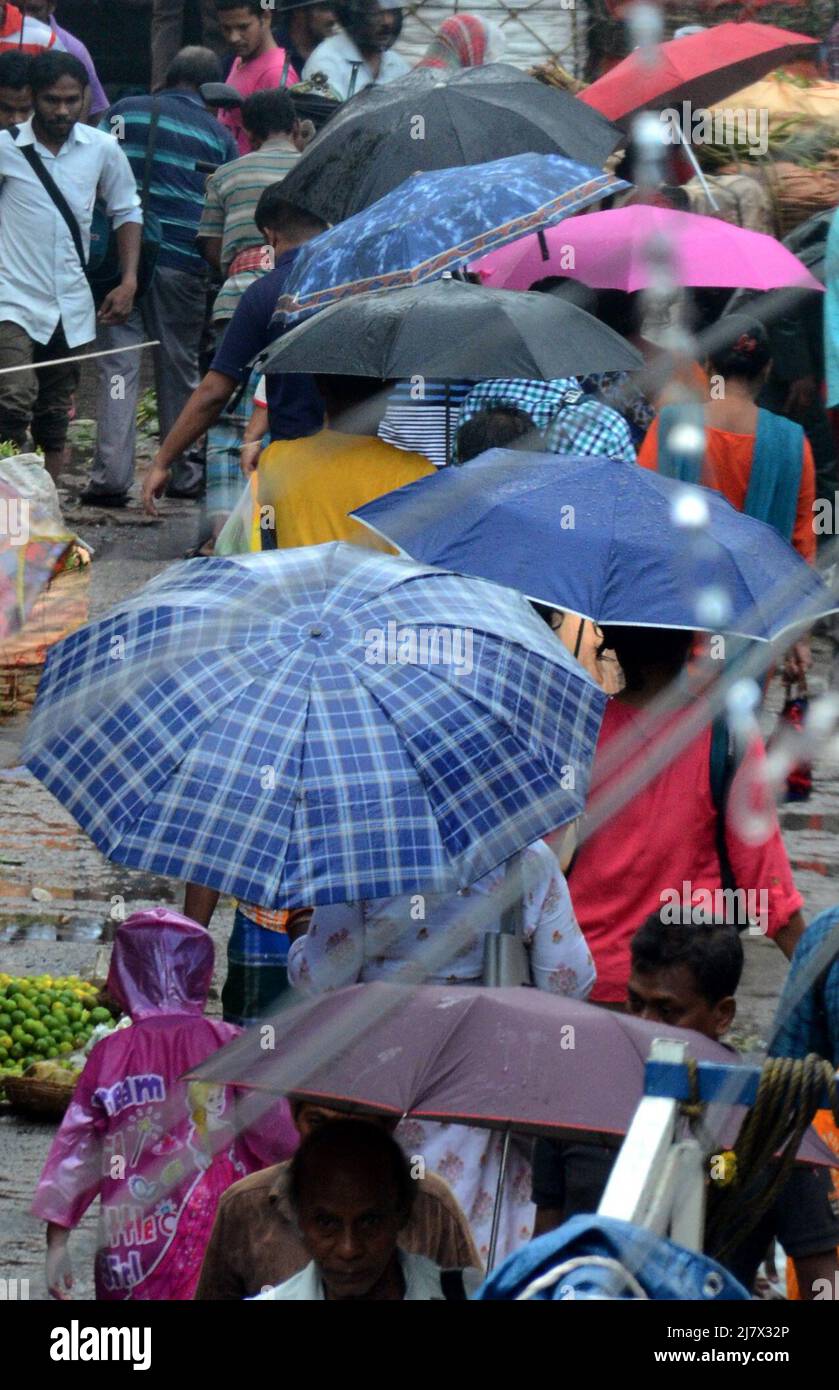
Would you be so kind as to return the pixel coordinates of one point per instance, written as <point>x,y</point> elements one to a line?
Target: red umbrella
<point>703,68</point>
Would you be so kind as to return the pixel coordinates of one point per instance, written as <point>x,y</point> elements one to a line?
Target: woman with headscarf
<point>464,41</point>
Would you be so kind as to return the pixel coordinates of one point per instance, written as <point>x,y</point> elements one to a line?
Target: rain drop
<point>686,438</point>
<point>743,699</point>
<point>690,509</point>
<point>713,607</point>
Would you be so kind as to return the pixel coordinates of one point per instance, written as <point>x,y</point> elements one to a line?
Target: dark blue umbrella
<point>439,220</point>
<point>607,540</point>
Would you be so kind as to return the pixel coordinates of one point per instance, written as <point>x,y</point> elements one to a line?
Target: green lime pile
<point>44,1017</point>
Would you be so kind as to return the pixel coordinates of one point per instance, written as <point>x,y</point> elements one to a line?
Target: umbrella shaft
<point>499,1194</point>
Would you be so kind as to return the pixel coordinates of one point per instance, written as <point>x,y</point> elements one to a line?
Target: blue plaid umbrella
<point>315,726</point>
<point>437,221</point>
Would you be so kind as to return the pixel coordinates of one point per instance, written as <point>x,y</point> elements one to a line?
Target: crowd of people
<point>297,1201</point>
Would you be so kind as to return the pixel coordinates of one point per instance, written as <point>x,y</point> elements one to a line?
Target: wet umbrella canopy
<point>518,1059</point>
<point>440,221</point>
<point>702,68</point>
<point>435,120</point>
<point>319,725</point>
<point>604,539</point>
<point>450,329</point>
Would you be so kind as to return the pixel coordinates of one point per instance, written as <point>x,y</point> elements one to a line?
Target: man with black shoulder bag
<point>52,169</point>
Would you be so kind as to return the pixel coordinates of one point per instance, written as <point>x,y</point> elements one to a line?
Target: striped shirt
<point>416,417</point>
<point>186,135</point>
<point>229,205</point>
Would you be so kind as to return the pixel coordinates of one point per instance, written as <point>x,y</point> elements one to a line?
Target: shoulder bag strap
<point>35,162</point>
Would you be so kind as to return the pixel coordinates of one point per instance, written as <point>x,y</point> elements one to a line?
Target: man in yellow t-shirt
<point>306,487</point>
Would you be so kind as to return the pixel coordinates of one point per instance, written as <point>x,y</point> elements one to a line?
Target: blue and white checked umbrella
<point>439,220</point>
<point>315,726</point>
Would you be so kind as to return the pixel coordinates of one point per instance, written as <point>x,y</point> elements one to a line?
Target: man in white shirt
<point>352,1190</point>
<point>361,56</point>
<point>46,307</point>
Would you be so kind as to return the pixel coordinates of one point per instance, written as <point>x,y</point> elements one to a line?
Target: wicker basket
<point>61,609</point>
<point>48,1099</point>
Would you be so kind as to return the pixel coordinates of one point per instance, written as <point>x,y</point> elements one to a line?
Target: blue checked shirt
<point>809,1021</point>
<point>571,421</point>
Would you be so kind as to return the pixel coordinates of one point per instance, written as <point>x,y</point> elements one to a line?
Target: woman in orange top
<point>761,462</point>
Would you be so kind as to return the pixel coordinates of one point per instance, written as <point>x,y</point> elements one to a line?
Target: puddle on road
<point>27,928</point>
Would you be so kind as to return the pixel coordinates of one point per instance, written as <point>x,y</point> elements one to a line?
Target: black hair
<point>15,69</point>
<point>571,291</point>
<point>338,1141</point>
<point>255,6</point>
<point>48,68</point>
<point>545,613</point>
<point>275,213</point>
<point>713,952</point>
<point>746,353</point>
<point>284,12</point>
<point>497,427</point>
<point>269,113</point>
<point>344,394</point>
<point>352,13</point>
<point>620,311</point>
<point>548,284</point>
<point>642,649</point>
<point>192,66</point>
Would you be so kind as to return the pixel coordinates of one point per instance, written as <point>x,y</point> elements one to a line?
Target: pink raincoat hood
<point>162,963</point>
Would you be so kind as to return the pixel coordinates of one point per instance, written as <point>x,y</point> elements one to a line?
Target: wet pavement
<point>60,898</point>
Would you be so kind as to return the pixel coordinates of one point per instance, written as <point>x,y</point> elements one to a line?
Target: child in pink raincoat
<point>157,1150</point>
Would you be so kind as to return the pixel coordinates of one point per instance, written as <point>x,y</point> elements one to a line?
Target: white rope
<point>81,357</point>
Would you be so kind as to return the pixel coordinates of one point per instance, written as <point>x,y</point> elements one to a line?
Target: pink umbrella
<point>621,249</point>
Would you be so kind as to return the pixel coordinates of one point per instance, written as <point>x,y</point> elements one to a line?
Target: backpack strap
<point>451,1282</point>
<point>775,477</point>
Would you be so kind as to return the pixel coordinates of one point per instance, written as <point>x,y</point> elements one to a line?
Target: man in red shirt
<point>665,844</point>
<point>260,63</point>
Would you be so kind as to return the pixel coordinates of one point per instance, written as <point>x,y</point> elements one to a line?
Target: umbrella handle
<point>688,147</point>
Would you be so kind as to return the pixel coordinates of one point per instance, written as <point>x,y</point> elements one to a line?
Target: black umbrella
<point>450,329</point>
<point>436,120</point>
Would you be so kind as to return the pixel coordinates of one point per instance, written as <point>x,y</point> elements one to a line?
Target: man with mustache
<point>362,55</point>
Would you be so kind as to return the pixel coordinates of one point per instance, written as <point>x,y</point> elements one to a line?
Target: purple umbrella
<point>510,1059</point>
<point>513,1059</point>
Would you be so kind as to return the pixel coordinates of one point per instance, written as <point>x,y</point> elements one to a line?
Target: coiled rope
<point>789,1093</point>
